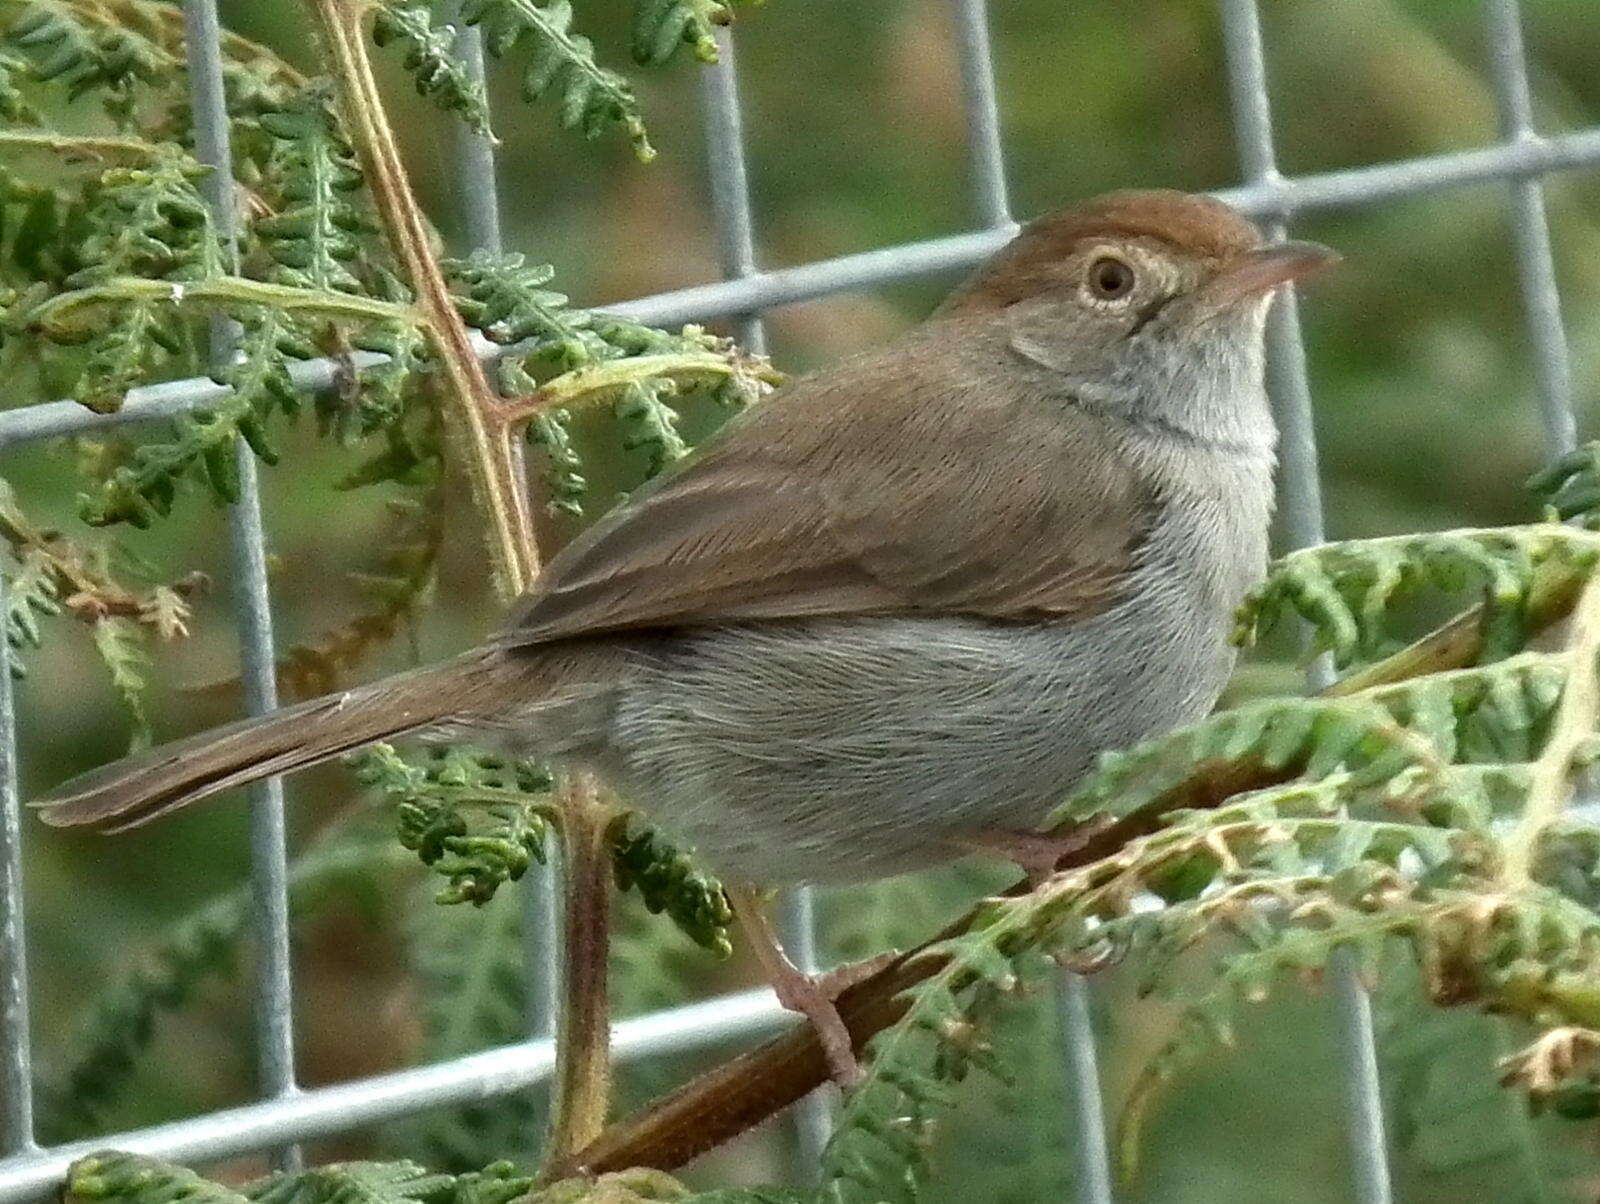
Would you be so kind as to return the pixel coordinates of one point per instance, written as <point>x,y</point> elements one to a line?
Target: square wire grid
<point>286,1114</point>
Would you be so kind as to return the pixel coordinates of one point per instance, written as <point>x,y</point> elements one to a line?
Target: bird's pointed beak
<point>1266,268</point>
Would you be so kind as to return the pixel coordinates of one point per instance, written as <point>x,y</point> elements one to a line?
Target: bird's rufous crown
<point>1192,225</point>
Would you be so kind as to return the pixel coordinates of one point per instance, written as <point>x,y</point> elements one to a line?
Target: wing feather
<point>903,482</point>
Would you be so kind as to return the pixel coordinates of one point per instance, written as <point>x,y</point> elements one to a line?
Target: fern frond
<point>662,27</point>
<point>476,820</point>
<point>313,232</point>
<point>53,574</point>
<point>639,1185</point>
<point>84,56</point>
<point>647,422</point>
<point>112,46</point>
<point>1496,712</point>
<point>565,484</point>
<point>148,222</point>
<point>667,880</point>
<point>1531,955</point>
<point>599,358</point>
<point>146,487</point>
<point>355,1183</point>
<point>137,1179</point>
<point>1560,1069</point>
<point>1345,590</point>
<point>562,63</point>
<point>383,392</point>
<point>39,245</point>
<point>498,1183</point>
<point>880,1148</point>
<point>1570,487</point>
<point>1307,737</point>
<point>32,593</point>
<point>428,52</point>
<point>121,645</point>
<point>151,221</point>
<point>14,104</point>
<point>119,1024</point>
<point>505,298</point>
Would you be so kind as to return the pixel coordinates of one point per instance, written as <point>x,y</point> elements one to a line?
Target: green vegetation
<point>1416,821</point>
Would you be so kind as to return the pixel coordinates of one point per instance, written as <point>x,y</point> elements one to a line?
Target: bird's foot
<point>1036,853</point>
<point>837,981</point>
<point>815,996</point>
<point>811,995</point>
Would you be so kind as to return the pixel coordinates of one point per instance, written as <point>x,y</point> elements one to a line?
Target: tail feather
<point>139,788</point>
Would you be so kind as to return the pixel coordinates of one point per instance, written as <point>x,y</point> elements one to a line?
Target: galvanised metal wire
<point>730,208</point>
<point>285,1115</point>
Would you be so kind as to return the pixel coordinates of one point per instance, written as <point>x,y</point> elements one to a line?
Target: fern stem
<point>1551,784</point>
<point>603,380</point>
<point>498,487</point>
<point>54,314</point>
<point>582,1085</point>
<point>489,447</point>
<point>99,148</point>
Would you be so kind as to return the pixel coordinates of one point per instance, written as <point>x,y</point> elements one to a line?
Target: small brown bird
<point>894,612</point>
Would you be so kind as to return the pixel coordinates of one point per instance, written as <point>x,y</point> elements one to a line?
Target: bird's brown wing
<point>905,482</point>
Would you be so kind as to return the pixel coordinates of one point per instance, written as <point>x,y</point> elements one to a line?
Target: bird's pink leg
<point>811,995</point>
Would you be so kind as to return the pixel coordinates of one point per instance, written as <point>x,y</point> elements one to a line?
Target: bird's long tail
<point>141,787</point>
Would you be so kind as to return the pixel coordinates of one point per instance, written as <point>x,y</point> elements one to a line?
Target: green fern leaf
<point>147,487</point>
<point>85,57</point>
<point>121,645</point>
<point>648,422</point>
<point>476,820</point>
<point>565,485</point>
<point>136,1179</point>
<point>355,1183</point>
<point>314,234</point>
<point>662,27</point>
<point>562,63</point>
<point>1345,590</point>
<point>14,105</point>
<point>668,881</point>
<point>1571,486</point>
<point>505,298</point>
<point>429,54</point>
<point>31,594</point>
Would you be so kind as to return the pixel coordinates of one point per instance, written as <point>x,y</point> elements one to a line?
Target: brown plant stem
<point>738,1095</point>
<point>581,1093</point>
<point>489,449</point>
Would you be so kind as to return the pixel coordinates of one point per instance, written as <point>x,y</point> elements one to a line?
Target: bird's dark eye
<point>1110,278</point>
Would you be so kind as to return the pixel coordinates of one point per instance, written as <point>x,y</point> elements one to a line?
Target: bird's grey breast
<point>826,750</point>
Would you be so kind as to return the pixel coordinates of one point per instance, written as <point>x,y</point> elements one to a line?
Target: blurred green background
<point>1426,415</point>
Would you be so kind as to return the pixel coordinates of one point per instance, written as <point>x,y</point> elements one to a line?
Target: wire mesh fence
<point>285,1114</point>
